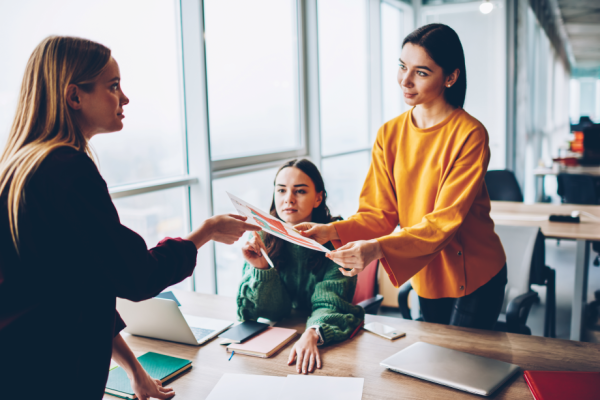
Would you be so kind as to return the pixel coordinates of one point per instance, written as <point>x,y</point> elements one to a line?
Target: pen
<point>357,329</point>
<point>232,353</point>
<point>264,253</point>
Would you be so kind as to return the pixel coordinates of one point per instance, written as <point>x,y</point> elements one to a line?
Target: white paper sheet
<point>273,225</point>
<point>248,387</point>
<point>310,387</point>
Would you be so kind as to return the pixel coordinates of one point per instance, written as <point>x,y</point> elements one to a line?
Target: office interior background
<point>223,92</point>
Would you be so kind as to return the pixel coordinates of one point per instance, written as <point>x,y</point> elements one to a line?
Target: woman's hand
<point>318,232</point>
<point>356,256</point>
<point>306,353</point>
<point>142,384</point>
<point>252,253</point>
<point>145,387</point>
<point>226,228</point>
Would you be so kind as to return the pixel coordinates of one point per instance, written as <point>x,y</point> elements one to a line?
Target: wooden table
<point>360,356</point>
<point>585,232</point>
<point>540,174</point>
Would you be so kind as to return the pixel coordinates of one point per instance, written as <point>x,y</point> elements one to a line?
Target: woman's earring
<point>449,85</point>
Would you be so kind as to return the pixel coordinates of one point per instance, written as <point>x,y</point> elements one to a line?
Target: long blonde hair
<point>44,121</point>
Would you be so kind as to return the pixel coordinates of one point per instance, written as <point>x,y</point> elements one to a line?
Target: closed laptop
<point>463,371</point>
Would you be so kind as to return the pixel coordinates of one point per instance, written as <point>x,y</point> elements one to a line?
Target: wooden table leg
<point>582,261</point>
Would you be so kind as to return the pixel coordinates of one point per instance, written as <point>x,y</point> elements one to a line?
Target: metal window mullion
<point>134,189</point>
<point>310,34</point>
<point>197,135</point>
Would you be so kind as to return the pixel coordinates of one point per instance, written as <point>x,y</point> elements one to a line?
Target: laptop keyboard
<point>200,333</point>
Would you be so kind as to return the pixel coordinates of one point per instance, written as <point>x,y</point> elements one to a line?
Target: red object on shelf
<point>577,144</point>
<point>558,385</point>
<point>567,161</point>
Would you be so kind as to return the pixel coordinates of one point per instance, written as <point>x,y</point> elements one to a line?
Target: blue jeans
<point>479,309</point>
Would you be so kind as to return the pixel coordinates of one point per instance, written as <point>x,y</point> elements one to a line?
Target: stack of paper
<point>294,387</point>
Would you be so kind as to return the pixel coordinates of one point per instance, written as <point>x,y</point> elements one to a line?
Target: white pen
<point>264,253</point>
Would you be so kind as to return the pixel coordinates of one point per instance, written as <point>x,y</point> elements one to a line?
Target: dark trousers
<point>479,309</point>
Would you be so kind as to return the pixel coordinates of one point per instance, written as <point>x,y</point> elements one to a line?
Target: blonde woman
<point>64,256</point>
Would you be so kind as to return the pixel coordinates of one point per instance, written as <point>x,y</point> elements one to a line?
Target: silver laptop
<point>452,368</point>
<point>162,319</point>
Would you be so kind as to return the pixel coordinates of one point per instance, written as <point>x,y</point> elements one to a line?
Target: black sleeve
<point>99,247</point>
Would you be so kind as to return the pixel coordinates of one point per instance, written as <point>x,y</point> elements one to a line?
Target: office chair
<point>580,189</point>
<point>365,294</point>
<point>524,247</point>
<point>503,186</point>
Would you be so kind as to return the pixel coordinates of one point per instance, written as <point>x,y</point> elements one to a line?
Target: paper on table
<point>247,387</point>
<point>302,387</point>
<point>273,225</point>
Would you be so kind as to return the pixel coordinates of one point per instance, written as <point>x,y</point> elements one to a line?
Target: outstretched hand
<point>355,256</point>
<point>320,233</point>
<point>228,228</point>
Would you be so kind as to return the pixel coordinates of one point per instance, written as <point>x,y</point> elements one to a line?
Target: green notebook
<point>157,365</point>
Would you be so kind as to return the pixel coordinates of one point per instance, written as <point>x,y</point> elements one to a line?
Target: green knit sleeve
<point>262,294</point>
<point>332,307</point>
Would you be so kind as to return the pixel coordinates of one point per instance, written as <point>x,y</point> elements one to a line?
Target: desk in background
<point>540,174</point>
<point>360,356</point>
<point>585,232</point>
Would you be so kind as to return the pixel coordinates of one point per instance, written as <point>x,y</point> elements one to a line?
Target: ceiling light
<point>486,7</point>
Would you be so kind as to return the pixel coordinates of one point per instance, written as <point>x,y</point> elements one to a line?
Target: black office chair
<point>517,310</point>
<point>503,186</point>
<point>580,189</point>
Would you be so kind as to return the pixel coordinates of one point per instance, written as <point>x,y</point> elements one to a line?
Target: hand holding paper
<point>272,225</point>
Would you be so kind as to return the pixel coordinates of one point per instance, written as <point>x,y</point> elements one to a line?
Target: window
<point>143,36</point>
<point>343,75</point>
<point>257,189</point>
<point>252,74</point>
<point>344,177</point>
<point>483,38</point>
<point>392,34</point>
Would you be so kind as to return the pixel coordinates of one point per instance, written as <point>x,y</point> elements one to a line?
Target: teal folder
<point>157,365</point>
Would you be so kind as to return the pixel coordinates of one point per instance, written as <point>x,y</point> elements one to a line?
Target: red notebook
<point>558,385</point>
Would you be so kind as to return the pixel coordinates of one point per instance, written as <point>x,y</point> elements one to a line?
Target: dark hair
<point>443,45</point>
<point>320,214</point>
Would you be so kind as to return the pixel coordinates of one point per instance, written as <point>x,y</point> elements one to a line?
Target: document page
<point>273,225</point>
<point>303,387</point>
<point>248,387</point>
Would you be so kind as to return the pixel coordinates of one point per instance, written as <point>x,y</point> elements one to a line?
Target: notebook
<point>265,344</point>
<point>157,365</point>
<point>248,387</point>
<point>241,332</point>
<point>557,385</point>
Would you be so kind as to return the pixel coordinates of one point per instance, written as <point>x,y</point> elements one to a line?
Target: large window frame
<point>201,171</point>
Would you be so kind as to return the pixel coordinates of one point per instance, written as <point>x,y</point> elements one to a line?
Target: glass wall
<point>483,38</point>
<point>343,75</point>
<point>393,31</point>
<point>252,74</point>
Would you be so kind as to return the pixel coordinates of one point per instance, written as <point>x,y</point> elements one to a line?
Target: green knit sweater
<point>324,292</point>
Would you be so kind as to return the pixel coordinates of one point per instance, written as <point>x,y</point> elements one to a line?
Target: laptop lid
<point>463,371</point>
<point>155,318</point>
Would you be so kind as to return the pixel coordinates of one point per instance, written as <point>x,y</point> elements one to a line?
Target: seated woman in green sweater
<point>302,279</point>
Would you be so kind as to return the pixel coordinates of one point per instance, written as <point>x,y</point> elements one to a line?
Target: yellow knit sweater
<point>431,183</point>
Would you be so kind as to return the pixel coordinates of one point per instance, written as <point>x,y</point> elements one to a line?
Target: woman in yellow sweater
<point>427,177</point>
